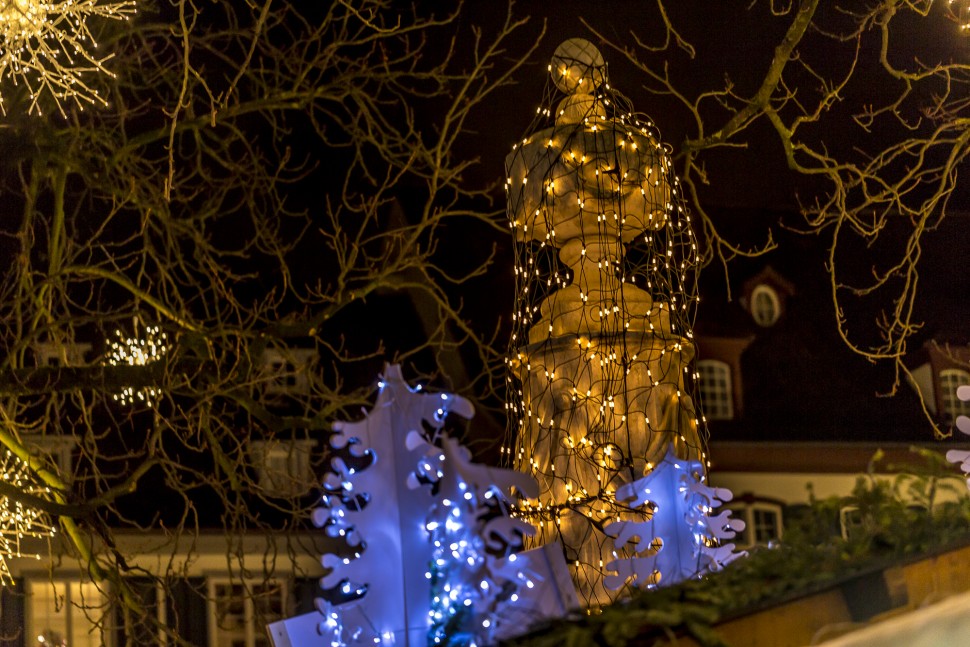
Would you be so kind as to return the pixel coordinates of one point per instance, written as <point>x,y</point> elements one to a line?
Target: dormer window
<point>766,296</point>
<point>283,466</point>
<point>59,449</point>
<point>54,354</point>
<point>950,380</point>
<point>765,305</point>
<point>286,370</point>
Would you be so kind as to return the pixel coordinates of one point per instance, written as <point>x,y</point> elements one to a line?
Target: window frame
<point>286,371</point>
<point>72,609</point>
<point>745,511</point>
<point>765,317</point>
<point>949,380</point>
<point>850,520</point>
<point>250,627</point>
<point>53,355</point>
<point>59,448</point>
<point>717,403</point>
<point>756,527</point>
<point>298,455</point>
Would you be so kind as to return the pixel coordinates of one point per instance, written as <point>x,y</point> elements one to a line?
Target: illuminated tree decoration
<point>48,46</point>
<point>18,521</point>
<point>137,351</point>
<point>961,456</point>
<point>474,564</point>
<point>600,380</point>
<point>429,554</point>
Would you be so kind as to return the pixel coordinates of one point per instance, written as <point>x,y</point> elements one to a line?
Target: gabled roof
<point>769,276</point>
<point>800,381</point>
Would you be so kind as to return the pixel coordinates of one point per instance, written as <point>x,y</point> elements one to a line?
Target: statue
<point>600,376</point>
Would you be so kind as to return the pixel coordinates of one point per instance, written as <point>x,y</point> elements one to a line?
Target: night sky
<point>828,392</point>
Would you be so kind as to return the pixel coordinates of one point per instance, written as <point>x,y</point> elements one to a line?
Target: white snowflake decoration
<point>422,544</point>
<point>48,47</point>
<point>681,539</point>
<point>961,456</point>
<point>474,570</point>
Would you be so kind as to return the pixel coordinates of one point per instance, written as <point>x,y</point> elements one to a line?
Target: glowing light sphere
<point>137,351</point>
<point>48,46</point>
<point>18,521</point>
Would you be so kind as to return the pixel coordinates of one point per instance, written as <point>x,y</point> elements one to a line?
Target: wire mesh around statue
<point>600,377</point>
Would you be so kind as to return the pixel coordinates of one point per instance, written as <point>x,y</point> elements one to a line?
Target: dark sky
<point>731,43</point>
<point>751,192</point>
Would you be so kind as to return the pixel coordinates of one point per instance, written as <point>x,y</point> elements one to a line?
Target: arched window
<point>950,380</point>
<point>765,306</point>
<point>717,394</point>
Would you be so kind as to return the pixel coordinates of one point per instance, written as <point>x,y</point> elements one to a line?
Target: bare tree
<point>267,176</point>
<point>867,105</point>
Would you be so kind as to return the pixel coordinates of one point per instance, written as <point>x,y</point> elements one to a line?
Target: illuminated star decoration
<point>18,521</point>
<point>48,46</point>
<point>135,351</point>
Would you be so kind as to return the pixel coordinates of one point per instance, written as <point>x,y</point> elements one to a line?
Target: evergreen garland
<point>900,518</point>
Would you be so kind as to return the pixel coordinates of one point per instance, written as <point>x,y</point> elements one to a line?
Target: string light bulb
<point>599,394</point>
<point>137,351</point>
<point>18,521</point>
<point>48,46</point>
<point>960,11</point>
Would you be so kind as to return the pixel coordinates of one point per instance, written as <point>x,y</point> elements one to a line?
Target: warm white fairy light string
<point>960,10</point>
<point>19,522</point>
<point>600,380</point>
<point>48,47</point>
<point>137,351</point>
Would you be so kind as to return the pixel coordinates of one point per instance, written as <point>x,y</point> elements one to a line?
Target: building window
<point>54,355</point>
<point>765,307</point>
<point>950,381</point>
<point>717,394</point>
<point>240,611</point>
<point>850,521</point>
<point>151,628</point>
<point>66,613</point>
<point>286,371</point>
<point>767,524</point>
<point>59,449</point>
<point>762,523</point>
<point>283,467</point>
